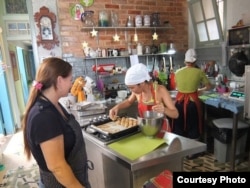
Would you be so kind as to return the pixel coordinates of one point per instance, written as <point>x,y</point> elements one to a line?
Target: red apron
<point>142,107</point>
<point>187,97</point>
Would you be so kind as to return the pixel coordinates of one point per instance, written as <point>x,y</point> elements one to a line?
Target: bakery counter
<point>112,169</point>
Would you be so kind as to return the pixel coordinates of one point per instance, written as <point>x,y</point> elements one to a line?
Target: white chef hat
<point>137,74</point>
<point>190,56</point>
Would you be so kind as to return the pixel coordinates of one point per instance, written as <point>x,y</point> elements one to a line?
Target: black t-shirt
<point>44,123</point>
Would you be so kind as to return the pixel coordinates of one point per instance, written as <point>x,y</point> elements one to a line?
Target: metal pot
<point>237,63</point>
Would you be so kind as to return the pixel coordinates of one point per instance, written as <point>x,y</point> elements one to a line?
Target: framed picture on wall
<point>14,65</point>
<point>45,21</point>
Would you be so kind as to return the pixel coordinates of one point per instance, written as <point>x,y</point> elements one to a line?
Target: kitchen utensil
<point>237,63</point>
<point>153,68</point>
<point>164,65</point>
<point>172,75</point>
<point>155,88</point>
<point>100,85</point>
<point>151,123</point>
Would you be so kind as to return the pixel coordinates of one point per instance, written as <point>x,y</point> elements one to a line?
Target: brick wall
<point>174,11</point>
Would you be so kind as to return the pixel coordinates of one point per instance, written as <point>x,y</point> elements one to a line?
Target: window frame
<point>207,43</point>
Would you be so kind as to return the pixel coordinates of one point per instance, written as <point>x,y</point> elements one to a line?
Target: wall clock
<point>46,23</point>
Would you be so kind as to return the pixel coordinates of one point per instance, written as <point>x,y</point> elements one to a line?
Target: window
<point>17,28</point>
<point>207,19</point>
<point>16,7</point>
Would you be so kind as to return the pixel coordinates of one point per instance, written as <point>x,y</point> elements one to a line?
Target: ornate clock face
<point>45,21</point>
<point>87,3</point>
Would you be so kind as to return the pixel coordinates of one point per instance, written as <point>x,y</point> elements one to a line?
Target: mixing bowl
<point>151,123</point>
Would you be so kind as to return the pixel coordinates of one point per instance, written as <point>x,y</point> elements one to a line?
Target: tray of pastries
<point>121,125</point>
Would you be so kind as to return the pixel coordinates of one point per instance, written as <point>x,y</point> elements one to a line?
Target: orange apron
<point>186,97</point>
<point>142,107</point>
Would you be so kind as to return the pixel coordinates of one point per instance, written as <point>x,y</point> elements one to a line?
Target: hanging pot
<point>237,63</point>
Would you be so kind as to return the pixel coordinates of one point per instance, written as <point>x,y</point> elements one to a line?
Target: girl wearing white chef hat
<point>150,96</point>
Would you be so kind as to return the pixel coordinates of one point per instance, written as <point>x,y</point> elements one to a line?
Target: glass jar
<point>88,18</point>
<point>138,21</point>
<point>155,19</point>
<point>114,19</point>
<point>130,22</point>
<point>103,18</point>
<point>146,20</point>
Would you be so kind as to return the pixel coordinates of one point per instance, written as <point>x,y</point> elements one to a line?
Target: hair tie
<point>37,85</point>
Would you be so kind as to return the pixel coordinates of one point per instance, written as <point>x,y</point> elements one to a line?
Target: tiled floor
<point>13,157</point>
<point>208,163</point>
<point>12,153</point>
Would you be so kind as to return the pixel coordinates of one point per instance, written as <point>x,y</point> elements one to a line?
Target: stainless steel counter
<point>234,106</point>
<point>113,170</point>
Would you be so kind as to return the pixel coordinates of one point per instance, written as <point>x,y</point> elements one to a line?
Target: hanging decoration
<point>85,44</point>
<point>86,48</point>
<point>93,32</point>
<point>116,37</point>
<point>155,36</point>
<point>135,36</point>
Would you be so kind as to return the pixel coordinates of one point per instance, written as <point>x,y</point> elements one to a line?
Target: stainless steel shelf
<point>109,57</point>
<point>126,28</point>
<point>239,46</point>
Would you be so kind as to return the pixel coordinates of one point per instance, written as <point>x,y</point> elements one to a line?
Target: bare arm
<point>165,103</point>
<point>53,151</point>
<point>124,104</point>
<point>207,87</point>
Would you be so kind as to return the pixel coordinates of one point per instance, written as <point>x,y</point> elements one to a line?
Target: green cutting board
<point>136,145</point>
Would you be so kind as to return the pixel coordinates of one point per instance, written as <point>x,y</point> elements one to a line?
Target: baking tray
<point>88,109</point>
<point>113,129</point>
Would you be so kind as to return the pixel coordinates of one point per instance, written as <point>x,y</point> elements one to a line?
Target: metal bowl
<point>151,123</point>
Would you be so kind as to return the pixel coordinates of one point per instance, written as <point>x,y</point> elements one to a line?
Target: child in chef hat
<point>137,74</point>
<point>148,96</point>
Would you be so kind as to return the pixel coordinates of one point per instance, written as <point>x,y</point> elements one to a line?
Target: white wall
<point>234,11</point>
<point>40,52</point>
